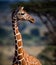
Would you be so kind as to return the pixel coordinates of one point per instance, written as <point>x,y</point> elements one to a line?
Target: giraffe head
<point>21,14</point>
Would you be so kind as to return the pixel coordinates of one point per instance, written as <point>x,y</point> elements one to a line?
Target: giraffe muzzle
<point>32,20</point>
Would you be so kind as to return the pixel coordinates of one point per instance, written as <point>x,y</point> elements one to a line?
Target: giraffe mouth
<point>32,20</point>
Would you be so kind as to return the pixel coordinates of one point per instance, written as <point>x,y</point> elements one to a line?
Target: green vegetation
<point>26,36</point>
<point>37,6</point>
<point>47,55</point>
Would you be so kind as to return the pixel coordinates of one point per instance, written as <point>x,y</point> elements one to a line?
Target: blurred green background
<point>39,38</point>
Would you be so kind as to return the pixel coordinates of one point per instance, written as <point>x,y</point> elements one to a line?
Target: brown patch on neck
<point>20,43</point>
<point>18,37</point>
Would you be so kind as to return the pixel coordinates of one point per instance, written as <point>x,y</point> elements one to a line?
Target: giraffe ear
<point>20,7</point>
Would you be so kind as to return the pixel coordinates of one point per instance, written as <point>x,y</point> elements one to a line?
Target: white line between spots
<point>21,59</point>
<point>20,54</point>
<point>18,34</point>
<point>19,40</point>
<point>20,47</point>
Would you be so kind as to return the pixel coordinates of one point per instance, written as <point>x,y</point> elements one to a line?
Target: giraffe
<point>21,57</point>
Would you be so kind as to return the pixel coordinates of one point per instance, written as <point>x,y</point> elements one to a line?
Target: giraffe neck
<point>18,43</point>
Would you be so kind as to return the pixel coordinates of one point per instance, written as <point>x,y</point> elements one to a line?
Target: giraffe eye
<point>22,13</point>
